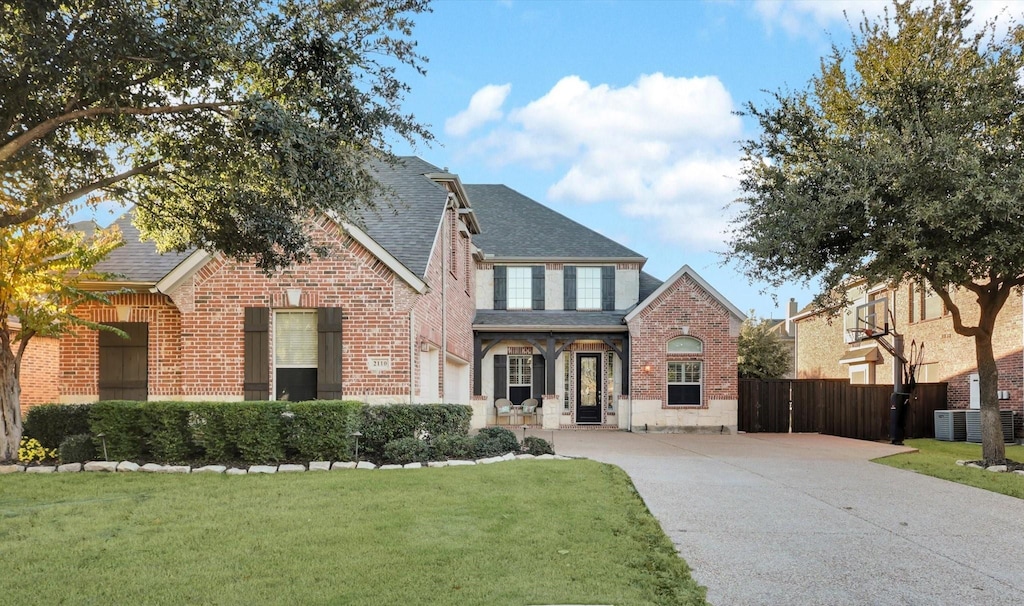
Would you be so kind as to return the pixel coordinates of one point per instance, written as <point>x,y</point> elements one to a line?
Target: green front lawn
<point>938,459</point>
<point>526,532</point>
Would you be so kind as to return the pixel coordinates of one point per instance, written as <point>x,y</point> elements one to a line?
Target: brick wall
<point>40,367</point>
<point>685,303</point>
<point>948,356</point>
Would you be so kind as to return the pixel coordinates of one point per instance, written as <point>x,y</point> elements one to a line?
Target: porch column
<point>549,358</point>
<point>625,365</point>
<point>477,365</point>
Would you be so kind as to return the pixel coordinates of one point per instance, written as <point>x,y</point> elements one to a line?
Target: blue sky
<point>619,113</point>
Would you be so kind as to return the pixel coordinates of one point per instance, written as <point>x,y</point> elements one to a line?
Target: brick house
<point>454,293</point>
<point>825,349</point>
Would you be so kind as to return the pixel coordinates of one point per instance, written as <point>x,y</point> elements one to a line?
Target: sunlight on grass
<point>517,533</point>
<point>938,459</point>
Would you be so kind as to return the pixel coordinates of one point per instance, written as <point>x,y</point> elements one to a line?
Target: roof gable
<point>685,270</point>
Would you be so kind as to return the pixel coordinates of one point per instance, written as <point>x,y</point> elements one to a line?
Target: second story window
<point>520,291</point>
<point>588,288</point>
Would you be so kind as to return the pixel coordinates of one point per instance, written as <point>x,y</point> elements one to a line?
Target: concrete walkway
<point>807,519</point>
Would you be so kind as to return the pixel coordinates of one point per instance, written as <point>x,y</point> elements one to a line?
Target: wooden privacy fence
<point>833,407</point>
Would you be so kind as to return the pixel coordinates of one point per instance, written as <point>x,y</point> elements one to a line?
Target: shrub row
<point>250,432</point>
<point>489,442</point>
<point>185,432</point>
<point>383,424</point>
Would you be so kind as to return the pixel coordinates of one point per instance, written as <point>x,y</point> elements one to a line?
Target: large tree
<point>226,123</point>
<point>903,159</point>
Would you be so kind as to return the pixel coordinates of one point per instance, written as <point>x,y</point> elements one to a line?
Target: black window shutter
<point>538,287</point>
<point>538,378</point>
<point>328,353</point>
<point>500,378</point>
<point>256,384</point>
<point>570,286</point>
<point>500,288</point>
<point>608,288</point>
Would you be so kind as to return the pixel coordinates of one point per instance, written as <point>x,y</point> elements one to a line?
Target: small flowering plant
<point>31,451</point>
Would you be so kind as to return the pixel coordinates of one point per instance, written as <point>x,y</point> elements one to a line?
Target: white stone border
<point>130,467</point>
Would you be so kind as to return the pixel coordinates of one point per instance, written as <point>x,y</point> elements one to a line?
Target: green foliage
<point>122,425</point>
<point>900,160</point>
<point>537,446</point>
<point>322,430</point>
<point>382,424</point>
<point>257,430</point>
<point>452,446</point>
<point>52,423</point>
<point>244,432</point>
<point>762,353</point>
<point>224,121</point>
<point>495,442</point>
<point>406,450</point>
<point>77,448</point>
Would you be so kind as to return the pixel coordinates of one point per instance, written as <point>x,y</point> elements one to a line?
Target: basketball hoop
<point>856,334</point>
<point>868,332</point>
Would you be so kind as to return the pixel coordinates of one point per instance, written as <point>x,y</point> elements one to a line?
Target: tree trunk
<point>993,450</point>
<point>10,401</point>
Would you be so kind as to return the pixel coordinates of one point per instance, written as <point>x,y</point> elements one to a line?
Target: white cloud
<point>484,106</point>
<point>661,148</point>
<point>810,18</point>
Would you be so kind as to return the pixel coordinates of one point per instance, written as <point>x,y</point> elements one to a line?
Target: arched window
<point>685,345</point>
<point>685,372</point>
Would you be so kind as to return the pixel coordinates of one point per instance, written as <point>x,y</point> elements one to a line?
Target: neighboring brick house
<point>39,367</point>
<point>452,293</point>
<point>825,349</point>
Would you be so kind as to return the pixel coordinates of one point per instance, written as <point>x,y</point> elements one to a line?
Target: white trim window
<point>684,383</point>
<point>520,378</point>
<point>519,282</point>
<point>295,355</point>
<point>588,288</point>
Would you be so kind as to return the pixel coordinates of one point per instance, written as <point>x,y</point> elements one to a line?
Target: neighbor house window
<point>684,381</point>
<point>520,287</point>
<point>520,378</point>
<point>295,355</point>
<point>588,288</point>
<point>924,303</point>
<point>685,374</point>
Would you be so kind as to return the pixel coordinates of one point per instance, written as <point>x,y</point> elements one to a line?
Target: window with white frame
<point>520,378</point>
<point>295,355</point>
<point>520,287</point>
<point>588,288</point>
<point>684,383</point>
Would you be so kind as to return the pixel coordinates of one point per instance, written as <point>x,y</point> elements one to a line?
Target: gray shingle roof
<point>514,226</point>
<point>648,284</point>
<point>548,319</point>
<point>404,222</point>
<point>406,219</point>
<point>138,261</point>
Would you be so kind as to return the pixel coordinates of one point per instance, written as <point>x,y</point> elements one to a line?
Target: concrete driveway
<point>807,519</point>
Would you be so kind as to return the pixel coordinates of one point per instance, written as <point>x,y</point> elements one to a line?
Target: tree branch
<point>44,128</point>
<point>958,324</point>
<point>14,218</point>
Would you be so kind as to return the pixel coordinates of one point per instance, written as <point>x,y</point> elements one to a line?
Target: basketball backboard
<point>871,319</point>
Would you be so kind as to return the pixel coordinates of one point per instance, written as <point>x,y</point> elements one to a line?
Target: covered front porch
<point>551,379</point>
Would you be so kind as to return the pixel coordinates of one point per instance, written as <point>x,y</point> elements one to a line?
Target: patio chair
<point>502,408</point>
<point>530,410</point>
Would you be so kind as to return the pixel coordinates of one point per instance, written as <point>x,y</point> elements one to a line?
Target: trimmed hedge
<point>77,449</point>
<point>248,432</point>
<point>51,424</point>
<point>383,424</point>
<point>406,450</point>
<point>495,442</point>
<point>449,446</point>
<point>537,446</point>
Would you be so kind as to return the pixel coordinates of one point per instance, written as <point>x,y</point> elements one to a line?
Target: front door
<point>588,388</point>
